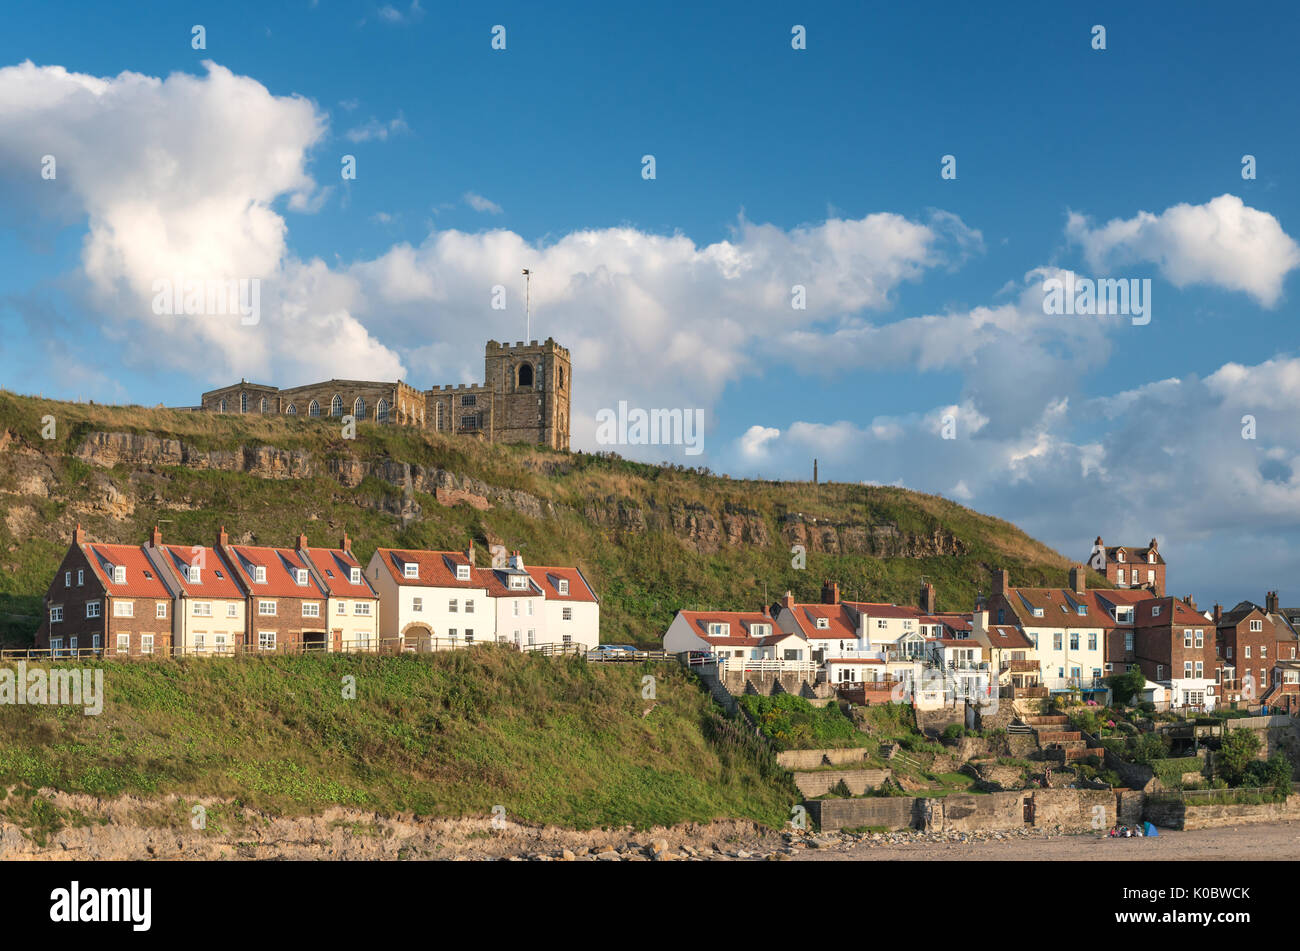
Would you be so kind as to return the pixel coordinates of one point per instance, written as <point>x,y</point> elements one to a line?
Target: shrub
<point>954,731</point>
<point>1237,752</point>
<point>1124,687</point>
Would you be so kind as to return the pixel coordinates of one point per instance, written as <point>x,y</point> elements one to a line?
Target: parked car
<point>612,651</point>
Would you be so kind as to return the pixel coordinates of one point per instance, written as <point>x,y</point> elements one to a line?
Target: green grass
<point>792,723</point>
<point>652,539</point>
<point>452,734</point>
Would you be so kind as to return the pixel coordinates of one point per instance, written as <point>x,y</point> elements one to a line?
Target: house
<point>431,600</point>
<point>1066,629</point>
<point>106,598</point>
<point>1251,639</point>
<point>1175,646</point>
<point>209,609</point>
<point>572,608</point>
<point>518,603</point>
<point>1119,606</point>
<point>287,604</point>
<point>962,662</point>
<point>1130,567</point>
<point>1013,660</point>
<point>352,611</point>
<point>1284,695</point>
<point>734,636</point>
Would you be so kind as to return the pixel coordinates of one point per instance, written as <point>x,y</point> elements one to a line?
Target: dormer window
<point>410,570</point>
<point>823,623</point>
<point>1155,610</point>
<point>119,574</point>
<point>462,573</point>
<point>518,582</point>
<point>1038,612</point>
<point>259,574</point>
<point>760,630</point>
<point>563,586</point>
<point>193,574</point>
<point>1081,610</point>
<point>1151,558</point>
<point>1119,555</point>
<point>302,576</point>
<point>355,576</point>
<point>717,629</point>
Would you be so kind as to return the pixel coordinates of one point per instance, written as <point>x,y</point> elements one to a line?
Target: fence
<point>382,645</point>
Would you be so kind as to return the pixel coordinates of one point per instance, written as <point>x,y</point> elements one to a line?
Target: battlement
<point>546,346</point>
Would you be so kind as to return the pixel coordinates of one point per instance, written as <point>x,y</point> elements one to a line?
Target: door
<point>338,639</point>
<point>1029,810</point>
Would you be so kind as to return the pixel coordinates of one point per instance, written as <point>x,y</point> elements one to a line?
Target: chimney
<point>469,552</point>
<point>1270,603</point>
<point>516,560</point>
<point>766,612</point>
<point>302,541</point>
<point>1001,581</point>
<point>223,539</point>
<point>1190,603</point>
<point>79,536</point>
<point>155,538</point>
<point>1078,579</point>
<point>788,601</point>
<point>927,598</point>
<point>830,592</point>
<point>814,472</point>
<point>1153,546</point>
<point>1218,613</point>
<point>346,543</point>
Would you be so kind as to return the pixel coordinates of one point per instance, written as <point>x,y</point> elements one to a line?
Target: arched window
<point>223,405</point>
<point>313,408</point>
<point>243,402</point>
<point>381,410</point>
<point>437,423</point>
<point>265,405</point>
<point>560,376</point>
<point>525,374</point>
<point>336,405</point>
<point>292,410</point>
<point>359,407</point>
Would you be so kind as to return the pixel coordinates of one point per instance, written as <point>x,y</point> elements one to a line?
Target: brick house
<point>1251,640</point>
<point>209,608</point>
<point>1176,646</point>
<point>287,605</point>
<point>107,598</point>
<point>1130,566</point>
<point>1120,606</point>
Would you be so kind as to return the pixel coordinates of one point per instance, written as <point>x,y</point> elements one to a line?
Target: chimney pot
<point>830,592</point>
<point>79,535</point>
<point>155,538</point>
<point>222,538</point>
<point>346,543</point>
<point>1078,579</point>
<point>1001,581</point>
<point>302,541</point>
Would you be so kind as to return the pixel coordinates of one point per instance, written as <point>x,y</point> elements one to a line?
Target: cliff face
<point>652,539</point>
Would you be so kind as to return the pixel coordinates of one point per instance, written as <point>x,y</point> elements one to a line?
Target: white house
<point>734,636</point>
<point>431,600</point>
<point>571,607</point>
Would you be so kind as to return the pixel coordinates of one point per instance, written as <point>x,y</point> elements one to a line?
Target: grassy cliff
<point>652,539</point>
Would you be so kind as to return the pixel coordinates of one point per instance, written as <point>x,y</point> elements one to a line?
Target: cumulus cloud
<point>176,178</point>
<point>1223,242</point>
<point>374,130</point>
<point>753,444</point>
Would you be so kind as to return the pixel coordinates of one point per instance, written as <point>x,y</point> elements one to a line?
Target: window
<point>266,640</point>
<point>381,411</point>
<point>1263,651</point>
<point>1160,671</point>
<point>1187,637</point>
<point>469,422</point>
<point>1200,670</point>
<point>1187,669</point>
<point>232,610</point>
<point>81,577</point>
<point>56,646</point>
<point>563,586</point>
<point>263,405</point>
<point>451,633</point>
<point>119,575</point>
<point>92,609</point>
<point>530,606</point>
<point>525,374</point>
<point>311,609</point>
<point>56,614</point>
<point>259,574</point>
<point>302,575</point>
<point>313,408</point>
<point>1119,576</point>
<point>1092,642</point>
<point>1155,610</point>
<point>417,604</point>
<point>462,572</point>
<point>146,643</point>
<point>221,407</point>
<point>1151,576</point>
<point>1056,641</point>
<point>823,624</point>
<point>718,630</point>
<point>359,407</point>
<point>469,399</point>
<point>469,605</point>
<point>530,636</point>
<point>1257,625</point>
<point>361,609</point>
<point>243,402</point>
<point>410,570</point>
<point>1081,610</point>
<point>1119,555</point>
<point>452,606</point>
<point>1074,641</point>
<point>469,635</point>
<point>1200,638</point>
<point>292,410</point>
<point>193,574</point>
<point>67,579</point>
<point>1128,640</point>
<point>203,609</point>
<point>94,642</point>
<point>266,608</point>
<point>219,642</point>
<point>1247,652</point>
<point>354,576</point>
<point>568,614</point>
<point>124,643</point>
<point>515,605</point>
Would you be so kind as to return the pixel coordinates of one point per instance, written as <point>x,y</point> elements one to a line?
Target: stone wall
<point>1072,810</point>
<point>824,780</point>
<point>896,812</point>
<point>1171,814</point>
<point>813,759</point>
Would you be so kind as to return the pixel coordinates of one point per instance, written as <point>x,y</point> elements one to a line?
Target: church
<point>524,398</point>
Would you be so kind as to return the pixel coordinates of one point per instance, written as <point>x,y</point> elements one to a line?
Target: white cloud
<point>1222,242</point>
<point>753,444</point>
<point>479,203</point>
<point>391,14</point>
<point>374,130</point>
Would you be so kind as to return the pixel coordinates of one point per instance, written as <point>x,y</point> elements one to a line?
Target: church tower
<point>530,387</point>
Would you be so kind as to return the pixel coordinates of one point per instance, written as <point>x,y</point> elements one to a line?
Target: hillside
<point>652,539</point>
<point>556,741</point>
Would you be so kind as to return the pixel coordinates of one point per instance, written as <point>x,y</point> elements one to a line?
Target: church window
<point>313,409</point>
<point>381,410</point>
<point>336,405</point>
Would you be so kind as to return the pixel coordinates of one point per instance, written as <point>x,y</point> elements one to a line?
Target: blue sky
<point>774,166</point>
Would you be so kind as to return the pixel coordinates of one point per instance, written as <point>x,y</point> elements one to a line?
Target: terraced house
<point>209,608</point>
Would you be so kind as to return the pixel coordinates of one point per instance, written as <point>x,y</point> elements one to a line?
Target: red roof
<point>142,579</point>
<point>839,623</point>
<point>1003,636</point>
<point>216,580</point>
<point>495,580</point>
<point>335,566</point>
<point>437,569</point>
<point>280,565</point>
<point>548,578</point>
<point>739,621</point>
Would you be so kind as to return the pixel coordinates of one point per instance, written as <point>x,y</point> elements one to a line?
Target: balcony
<point>1020,666</point>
